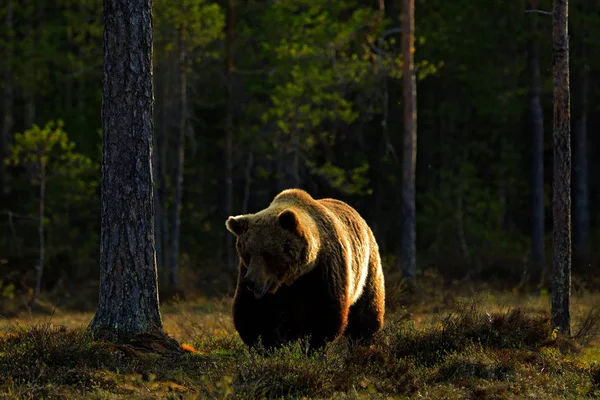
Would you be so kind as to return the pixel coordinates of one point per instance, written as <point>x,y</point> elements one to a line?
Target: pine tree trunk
<point>29,116</point>
<point>410,141</point>
<point>7,117</point>
<point>180,161</point>
<point>561,202</point>
<point>157,182</point>
<point>247,182</point>
<point>128,302</point>
<point>159,144</point>
<point>537,159</point>
<point>162,173</point>
<point>42,256</point>
<point>581,211</point>
<point>229,129</point>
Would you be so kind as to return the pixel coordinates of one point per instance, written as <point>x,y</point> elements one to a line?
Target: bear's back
<point>348,216</point>
<point>325,211</point>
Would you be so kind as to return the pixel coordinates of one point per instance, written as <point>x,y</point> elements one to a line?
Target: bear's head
<point>275,247</point>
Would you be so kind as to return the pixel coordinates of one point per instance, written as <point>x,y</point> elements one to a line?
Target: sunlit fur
<point>307,268</point>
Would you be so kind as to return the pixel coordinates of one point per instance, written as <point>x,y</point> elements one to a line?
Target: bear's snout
<point>258,288</point>
<point>249,283</point>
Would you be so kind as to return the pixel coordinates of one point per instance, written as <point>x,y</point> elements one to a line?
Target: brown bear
<point>308,268</point>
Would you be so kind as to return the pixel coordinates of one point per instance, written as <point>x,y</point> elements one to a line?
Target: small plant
<point>466,325</point>
<point>46,153</point>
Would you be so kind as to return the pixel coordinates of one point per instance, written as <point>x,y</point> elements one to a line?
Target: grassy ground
<point>435,344</point>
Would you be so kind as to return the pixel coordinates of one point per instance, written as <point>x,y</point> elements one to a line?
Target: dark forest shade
<point>561,202</point>
<point>581,206</point>
<point>7,101</point>
<point>320,68</point>
<point>128,279</point>
<point>179,156</point>
<point>537,154</point>
<point>409,239</point>
<point>229,103</point>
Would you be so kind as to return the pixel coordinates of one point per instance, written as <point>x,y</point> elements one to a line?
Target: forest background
<point>303,93</point>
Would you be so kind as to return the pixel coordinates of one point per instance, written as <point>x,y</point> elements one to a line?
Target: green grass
<point>484,347</point>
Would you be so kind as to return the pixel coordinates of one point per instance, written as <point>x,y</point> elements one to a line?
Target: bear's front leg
<point>328,323</point>
<point>244,320</point>
<point>256,318</point>
<point>247,321</point>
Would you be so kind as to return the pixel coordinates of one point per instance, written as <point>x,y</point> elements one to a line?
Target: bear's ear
<point>237,225</point>
<point>289,221</point>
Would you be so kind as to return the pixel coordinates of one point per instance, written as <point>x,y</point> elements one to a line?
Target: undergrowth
<point>469,353</point>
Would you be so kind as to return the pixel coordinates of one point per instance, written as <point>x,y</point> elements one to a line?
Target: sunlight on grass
<point>490,345</point>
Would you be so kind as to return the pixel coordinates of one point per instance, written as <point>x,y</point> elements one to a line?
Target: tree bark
<point>410,141</point>
<point>581,211</point>
<point>36,33</point>
<point>128,302</point>
<point>42,255</point>
<point>248,182</point>
<point>162,172</point>
<point>229,128</point>
<point>180,160</point>
<point>561,202</point>
<point>7,117</point>
<point>159,171</point>
<point>537,156</point>
<point>157,184</point>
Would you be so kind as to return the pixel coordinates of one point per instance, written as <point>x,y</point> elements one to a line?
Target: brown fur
<point>307,268</point>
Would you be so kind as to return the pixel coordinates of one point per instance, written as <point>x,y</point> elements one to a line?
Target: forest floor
<point>436,344</point>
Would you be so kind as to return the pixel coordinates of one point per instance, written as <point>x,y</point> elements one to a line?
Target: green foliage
<point>47,151</point>
<point>7,290</point>
<point>201,22</point>
<point>350,182</point>
<point>71,182</point>
<point>317,102</point>
<point>49,155</point>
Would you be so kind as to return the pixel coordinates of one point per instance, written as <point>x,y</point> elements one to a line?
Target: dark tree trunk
<point>409,257</point>
<point>128,302</point>
<point>157,182</point>
<point>581,209</point>
<point>7,117</point>
<point>248,183</point>
<point>229,129</point>
<point>537,157</point>
<point>159,170</point>
<point>36,32</point>
<point>295,160</point>
<point>42,256</point>
<point>180,160</point>
<point>162,171</point>
<point>561,202</point>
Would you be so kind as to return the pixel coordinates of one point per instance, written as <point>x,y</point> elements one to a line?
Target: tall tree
<point>184,31</point>
<point>179,153</point>
<point>230,27</point>
<point>581,209</point>
<point>159,172</point>
<point>561,201</point>
<point>537,152</point>
<point>46,153</point>
<point>409,257</point>
<point>7,96</point>
<point>128,302</point>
